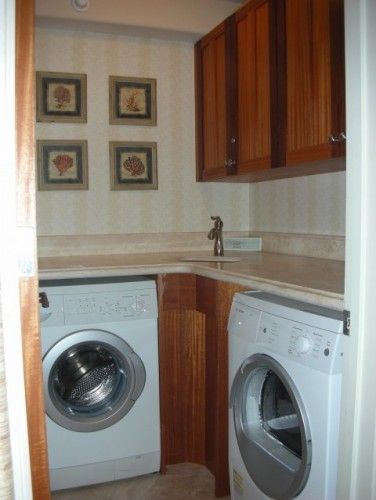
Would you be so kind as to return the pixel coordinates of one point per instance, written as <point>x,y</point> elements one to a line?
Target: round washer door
<point>271,427</point>
<point>92,378</point>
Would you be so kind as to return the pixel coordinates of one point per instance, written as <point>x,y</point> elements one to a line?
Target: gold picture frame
<point>62,165</point>
<point>61,97</point>
<point>133,165</point>
<point>133,101</point>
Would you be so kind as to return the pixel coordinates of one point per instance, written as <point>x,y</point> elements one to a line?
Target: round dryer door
<point>92,378</point>
<point>271,427</point>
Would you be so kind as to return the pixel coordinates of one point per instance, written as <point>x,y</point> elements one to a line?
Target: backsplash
<point>180,204</point>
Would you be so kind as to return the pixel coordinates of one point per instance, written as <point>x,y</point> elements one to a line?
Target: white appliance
<point>285,379</point>
<point>101,379</point>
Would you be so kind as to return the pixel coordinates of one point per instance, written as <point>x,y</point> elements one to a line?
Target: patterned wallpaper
<point>313,204</point>
<point>180,204</point>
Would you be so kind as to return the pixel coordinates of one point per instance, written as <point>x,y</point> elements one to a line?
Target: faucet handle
<point>218,220</point>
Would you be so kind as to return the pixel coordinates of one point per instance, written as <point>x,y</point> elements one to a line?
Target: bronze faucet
<point>216,234</point>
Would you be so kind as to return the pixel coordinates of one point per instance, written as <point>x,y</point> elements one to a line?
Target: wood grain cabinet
<point>214,90</point>
<point>193,314</point>
<point>270,92</point>
<point>314,80</point>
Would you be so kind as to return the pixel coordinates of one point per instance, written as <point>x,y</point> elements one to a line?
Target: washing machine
<point>285,362</point>
<point>101,379</point>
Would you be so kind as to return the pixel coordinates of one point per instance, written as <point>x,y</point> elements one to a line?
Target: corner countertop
<point>318,281</point>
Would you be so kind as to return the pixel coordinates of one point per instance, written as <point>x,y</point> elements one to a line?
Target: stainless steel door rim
<point>271,427</point>
<point>92,378</point>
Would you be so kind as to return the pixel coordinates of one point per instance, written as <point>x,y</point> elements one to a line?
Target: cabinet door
<point>253,86</point>
<point>314,79</point>
<point>212,116</point>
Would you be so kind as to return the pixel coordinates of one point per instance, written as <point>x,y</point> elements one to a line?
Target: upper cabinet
<point>314,80</point>
<point>213,106</point>
<point>253,87</point>
<point>270,92</point>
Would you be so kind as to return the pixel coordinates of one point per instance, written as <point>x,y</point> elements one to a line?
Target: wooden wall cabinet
<point>193,352</point>
<point>214,90</point>
<point>282,72</point>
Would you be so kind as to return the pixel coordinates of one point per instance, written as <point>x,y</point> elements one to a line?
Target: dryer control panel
<point>317,348</point>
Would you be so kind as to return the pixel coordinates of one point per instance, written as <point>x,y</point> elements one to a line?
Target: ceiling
<point>185,20</point>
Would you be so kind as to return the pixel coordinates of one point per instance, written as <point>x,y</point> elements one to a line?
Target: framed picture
<point>133,165</point>
<point>62,165</point>
<point>61,97</point>
<point>133,101</point>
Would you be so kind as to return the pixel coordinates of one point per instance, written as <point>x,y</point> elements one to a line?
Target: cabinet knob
<point>333,139</point>
<point>230,163</point>
<point>232,140</point>
<point>337,138</point>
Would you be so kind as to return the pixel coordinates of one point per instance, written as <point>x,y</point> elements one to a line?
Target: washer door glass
<point>271,427</point>
<point>92,379</point>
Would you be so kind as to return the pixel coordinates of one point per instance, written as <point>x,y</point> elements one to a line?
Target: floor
<point>182,482</point>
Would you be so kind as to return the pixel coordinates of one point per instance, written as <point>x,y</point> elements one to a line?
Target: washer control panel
<point>302,343</point>
<point>98,306</point>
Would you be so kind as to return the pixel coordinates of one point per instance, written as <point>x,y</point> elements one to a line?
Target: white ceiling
<point>174,19</point>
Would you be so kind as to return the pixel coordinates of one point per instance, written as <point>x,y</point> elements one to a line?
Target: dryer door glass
<point>92,379</point>
<point>271,427</point>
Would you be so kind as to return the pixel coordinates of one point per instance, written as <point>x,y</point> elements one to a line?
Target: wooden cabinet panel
<point>212,126</point>
<point>253,87</point>
<point>193,313</point>
<point>282,70</point>
<point>311,83</point>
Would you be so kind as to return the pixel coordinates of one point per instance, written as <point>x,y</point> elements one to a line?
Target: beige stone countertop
<point>318,281</point>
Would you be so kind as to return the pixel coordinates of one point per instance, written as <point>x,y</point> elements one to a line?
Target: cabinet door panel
<point>309,72</point>
<point>214,116</point>
<point>253,87</point>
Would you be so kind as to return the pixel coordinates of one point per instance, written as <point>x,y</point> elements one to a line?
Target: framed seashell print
<point>133,165</point>
<point>61,97</point>
<point>133,101</point>
<point>62,165</point>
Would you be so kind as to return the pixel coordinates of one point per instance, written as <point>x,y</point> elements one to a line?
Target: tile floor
<point>182,482</point>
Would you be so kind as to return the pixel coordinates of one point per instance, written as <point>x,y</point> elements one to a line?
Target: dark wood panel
<point>214,113</point>
<point>312,114</point>
<point>253,86</point>
<point>176,292</point>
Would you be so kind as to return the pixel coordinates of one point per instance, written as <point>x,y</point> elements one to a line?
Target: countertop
<point>318,281</point>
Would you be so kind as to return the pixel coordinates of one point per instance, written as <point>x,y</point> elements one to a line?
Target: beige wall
<point>314,204</point>
<point>180,204</point>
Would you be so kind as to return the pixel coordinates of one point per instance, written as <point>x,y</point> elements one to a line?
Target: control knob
<point>303,345</point>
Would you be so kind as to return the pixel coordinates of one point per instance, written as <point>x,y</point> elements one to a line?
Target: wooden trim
<point>278,82</point>
<point>231,92</point>
<point>337,62</point>
<point>319,167</point>
<point>199,106</point>
<point>25,154</point>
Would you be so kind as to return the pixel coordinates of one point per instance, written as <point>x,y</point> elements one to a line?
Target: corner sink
<point>210,258</point>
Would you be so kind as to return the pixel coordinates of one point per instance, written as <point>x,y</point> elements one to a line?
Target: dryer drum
<point>271,427</point>
<point>92,380</point>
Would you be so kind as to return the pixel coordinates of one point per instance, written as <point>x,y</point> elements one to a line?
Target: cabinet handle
<point>333,139</point>
<point>232,140</point>
<point>342,137</point>
<point>337,138</point>
<point>230,163</point>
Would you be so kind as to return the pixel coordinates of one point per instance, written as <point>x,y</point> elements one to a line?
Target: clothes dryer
<point>101,379</point>
<point>285,362</point>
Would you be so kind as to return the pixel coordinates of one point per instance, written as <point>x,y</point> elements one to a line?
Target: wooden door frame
<point>26,228</point>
